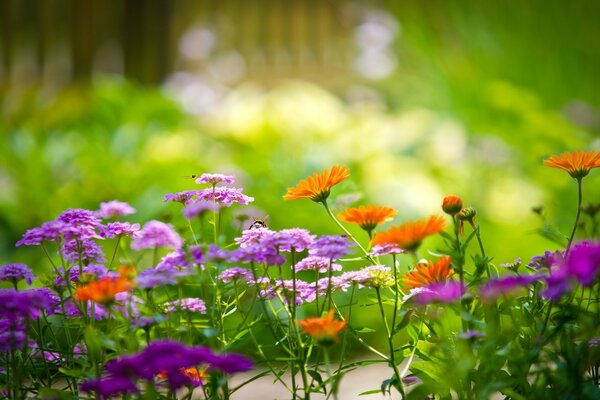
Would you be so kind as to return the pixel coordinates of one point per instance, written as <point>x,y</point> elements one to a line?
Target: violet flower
<point>114,229</point>
<point>215,179</point>
<point>235,273</point>
<point>15,272</point>
<point>157,234</point>
<point>224,195</point>
<point>114,208</point>
<point>506,285</point>
<point>316,263</point>
<point>333,247</point>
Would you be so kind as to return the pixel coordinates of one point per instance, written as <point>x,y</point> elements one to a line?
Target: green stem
<point>114,254</point>
<point>579,199</point>
<point>392,358</point>
<point>330,375</point>
<point>360,246</point>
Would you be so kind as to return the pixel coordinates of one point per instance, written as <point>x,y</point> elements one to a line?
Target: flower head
<point>507,285</point>
<point>114,229</point>
<point>324,330</point>
<point>452,204</point>
<point>224,196</point>
<point>385,249</point>
<point>375,276</point>
<point>235,273</point>
<point>103,291</point>
<point>330,246</point>
<point>184,197</point>
<point>318,186</point>
<point>192,304</point>
<point>367,217</point>
<point>427,272</point>
<point>215,179</point>
<point>157,234</point>
<point>316,263</point>
<point>114,208</point>
<point>578,163</point>
<point>409,236</point>
<point>442,292</point>
<point>192,210</point>
<point>15,272</point>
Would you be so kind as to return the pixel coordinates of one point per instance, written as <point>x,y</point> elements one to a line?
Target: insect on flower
<point>259,222</point>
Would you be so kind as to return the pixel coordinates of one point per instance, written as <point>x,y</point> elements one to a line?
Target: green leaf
<point>364,329</point>
<point>74,373</point>
<point>372,391</point>
<point>404,321</point>
<point>93,342</point>
<point>317,377</point>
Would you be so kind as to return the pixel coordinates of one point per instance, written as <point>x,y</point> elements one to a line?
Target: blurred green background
<point>120,100</point>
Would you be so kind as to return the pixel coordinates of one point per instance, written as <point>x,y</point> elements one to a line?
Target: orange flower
<point>367,217</point>
<point>452,204</point>
<point>324,330</point>
<point>409,236</point>
<point>578,163</point>
<point>426,273</point>
<point>103,291</point>
<point>318,186</point>
<point>196,376</point>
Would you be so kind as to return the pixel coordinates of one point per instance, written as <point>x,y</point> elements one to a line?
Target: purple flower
<point>583,262</point>
<point>153,277</point>
<point>163,357</point>
<point>79,217</point>
<point>441,292</point>
<point>49,231</point>
<point>87,249</point>
<point>192,210</point>
<point>356,277</point>
<point>512,265</point>
<point>224,195</point>
<point>215,179</point>
<point>385,249</point>
<point>217,254</point>
<point>316,263</point>
<point>181,197</point>
<point>252,236</point>
<point>157,234</point>
<point>114,208</point>
<point>114,229</point>
<point>197,254</point>
<point>335,284</point>
<point>305,292</point>
<point>470,334</point>
<point>506,285</point>
<point>257,254</point>
<point>288,239</point>
<point>175,259</point>
<point>334,247</point>
<point>93,269</point>
<point>547,260</point>
<point>110,386</point>
<point>192,304</point>
<point>235,273</point>
<point>15,272</point>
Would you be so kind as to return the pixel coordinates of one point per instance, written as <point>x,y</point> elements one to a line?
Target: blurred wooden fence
<point>74,39</point>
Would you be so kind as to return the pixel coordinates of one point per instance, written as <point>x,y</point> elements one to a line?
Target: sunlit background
<point>121,100</point>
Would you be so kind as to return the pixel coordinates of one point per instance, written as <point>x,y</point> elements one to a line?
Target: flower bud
<point>452,204</point>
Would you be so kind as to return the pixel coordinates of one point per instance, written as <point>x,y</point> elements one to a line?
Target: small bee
<point>259,222</point>
<point>193,176</point>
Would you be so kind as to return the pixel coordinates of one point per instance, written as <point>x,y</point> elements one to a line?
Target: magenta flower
<point>583,262</point>
<point>316,263</point>
<point>442,292</point>
<point>225,196</point>
<point>190,304</point>
<point>114,229</point>
<point>253,236</point>
<point>114,208</point>
<point>181,197</point>
<point>215,179</point>
<point>333,247</point>
<point>192,210</point>
<point>506,285</point>
<point>235,273</point>
<point>385,249</point>
<point>157,234</point>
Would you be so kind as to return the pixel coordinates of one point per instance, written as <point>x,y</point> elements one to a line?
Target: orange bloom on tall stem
<point>103,291</point>
<point>318,186</point>
<point>324,330</point>
<point>578,163</point>
<point>409,236</point>
<point>367,217</point>
<point>426,273</point>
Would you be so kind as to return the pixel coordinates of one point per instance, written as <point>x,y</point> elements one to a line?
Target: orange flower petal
<point>317,186</point>
<point>578,163</point>
<point>409,236</point>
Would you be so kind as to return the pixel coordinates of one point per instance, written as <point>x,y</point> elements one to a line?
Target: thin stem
<point>343,228</point>
<point>392,358</point>
<point>114,254</point>
<point>192,230</point>
<point>329,373</point>
<point>579,199</point>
